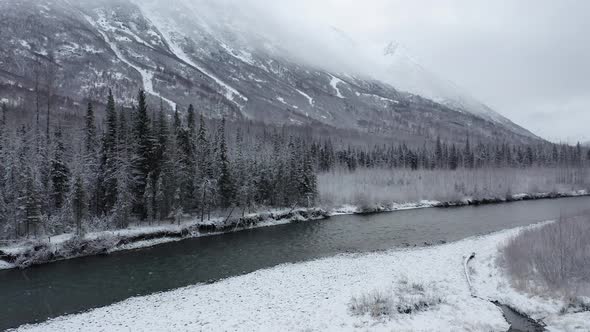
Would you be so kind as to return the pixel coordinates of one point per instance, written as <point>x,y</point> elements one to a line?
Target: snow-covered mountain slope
<point>405,73</point>
<point>202,52</point>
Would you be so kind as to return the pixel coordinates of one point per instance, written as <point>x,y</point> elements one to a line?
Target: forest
<point>143,165</point>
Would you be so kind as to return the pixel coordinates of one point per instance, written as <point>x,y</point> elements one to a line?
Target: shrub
<point>576,304</point>
<point>370,187</point>
<point>405,299</point>
<point>40,252</point>
<point>553,258</point>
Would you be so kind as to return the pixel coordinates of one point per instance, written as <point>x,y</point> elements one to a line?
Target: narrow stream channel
<point>518,322</point>
<point>39,293</point>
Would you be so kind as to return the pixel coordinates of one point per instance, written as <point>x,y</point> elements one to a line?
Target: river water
<point>42,292</point>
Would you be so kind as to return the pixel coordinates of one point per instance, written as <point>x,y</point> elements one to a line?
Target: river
<point>51,290</point>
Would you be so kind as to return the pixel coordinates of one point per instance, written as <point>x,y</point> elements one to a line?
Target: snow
<point>241,55</point>
<point>311,296</point>
<point>315,296</point>
<point>146,75</point>
<point>353,209</point>
<point>24,43</point>
<point>5,266</point>
<point>168,32</point>
<point>255,79</point>
<point>230,92</point>
<point>282,100</point>
<point>309,99</point>
<point>570,322</point>
<point>271,217</point>
<point>378,97</point>
<point>138,39</point>
<point>490,282</point>
<point>334,83</point>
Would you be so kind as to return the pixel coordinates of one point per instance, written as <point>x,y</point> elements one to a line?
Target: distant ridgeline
<point>146,164</point>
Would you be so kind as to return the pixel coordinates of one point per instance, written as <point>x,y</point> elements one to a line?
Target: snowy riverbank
<point>66,246</point>
<point>28,253</point>
<point>317,296</point>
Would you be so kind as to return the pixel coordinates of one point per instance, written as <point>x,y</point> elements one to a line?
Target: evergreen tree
<point>90,142</point>
<point>142,154</point>
<point>453,158</point>
<point>3,127</point>
<point>149,200</point>
<point>163,134</point>
<point>60,173</point>
<point>177,206</point>
<point>91,159</point>
<point>177,123</point>
<point>109,159</point>
<point>191,123</point>
<point>225,184</point>
<point>78,201</point>
<point>160,200</point>
<point>122,208</point>
<point>439,153</point>
<point>32,205</point>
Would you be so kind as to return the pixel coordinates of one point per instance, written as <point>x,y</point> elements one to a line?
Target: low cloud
<point>517,56</point>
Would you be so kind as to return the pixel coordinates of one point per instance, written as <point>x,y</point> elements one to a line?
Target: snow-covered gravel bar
<point>315,296</point>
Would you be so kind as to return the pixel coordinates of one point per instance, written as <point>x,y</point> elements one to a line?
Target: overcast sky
<point>527,59</point>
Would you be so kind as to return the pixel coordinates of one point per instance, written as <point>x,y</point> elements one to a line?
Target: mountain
<point>202,52</point>
<point>405,73</point>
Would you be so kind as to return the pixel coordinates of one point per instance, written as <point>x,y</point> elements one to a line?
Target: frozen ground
<point>316,296</point>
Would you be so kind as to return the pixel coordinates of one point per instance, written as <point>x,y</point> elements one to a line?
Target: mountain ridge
<point>126,45</point>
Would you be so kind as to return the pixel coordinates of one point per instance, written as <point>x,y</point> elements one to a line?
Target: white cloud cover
<point>527,59</point>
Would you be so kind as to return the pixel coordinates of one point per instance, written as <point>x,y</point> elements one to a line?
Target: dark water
<point>38,293</point>
<point>518,322</point>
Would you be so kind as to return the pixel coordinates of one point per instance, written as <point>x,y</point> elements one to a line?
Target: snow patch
<point>282,100</point>
<point>334,83</point>
<point>24,43</point>
<point>146,75</point>
<point>241,55</point>
<point>309,99</point>
<point>378,97</point>
<point>230,92</point>
<point>168,34</point>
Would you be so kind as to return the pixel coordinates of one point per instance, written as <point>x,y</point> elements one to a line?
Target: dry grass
<point>380,186</point>
<point>406,299</point>
<point>553,259</point>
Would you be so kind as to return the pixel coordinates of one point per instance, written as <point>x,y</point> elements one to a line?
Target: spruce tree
<point>60,173</point>
<point>32,205</point>
<point>453,158</point>
<point>142,154</point>
<point>160,200</point>
<point>78,201</point>
<point>109,158</point>
<point>439,154</point>
<point>148,200</point>
<point>225,184</point>
<point>90,142</point>
<point>90,159</point>
<point>191,122</point>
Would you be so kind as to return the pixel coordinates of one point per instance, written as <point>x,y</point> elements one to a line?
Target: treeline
<point>145,165</point>
<point>441,155</point>
<point>142,163</point>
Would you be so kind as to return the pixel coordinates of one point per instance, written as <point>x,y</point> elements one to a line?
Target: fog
<point>526,59</point>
